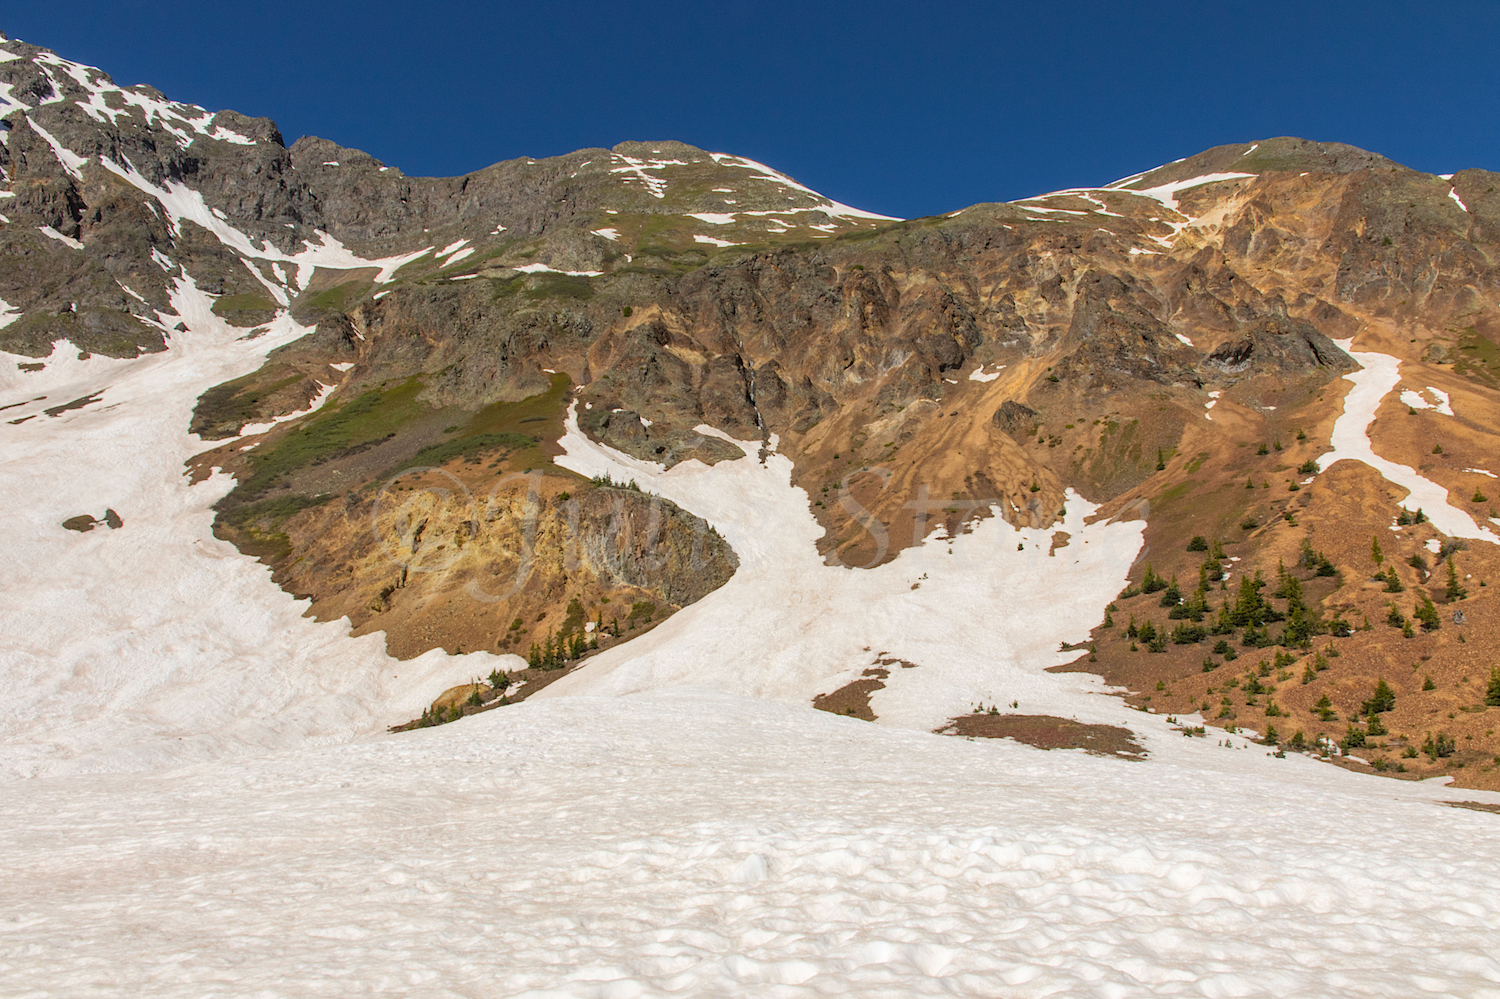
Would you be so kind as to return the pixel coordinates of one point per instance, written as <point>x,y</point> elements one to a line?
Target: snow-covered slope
<point>156,643</point>
<point>698,844</point>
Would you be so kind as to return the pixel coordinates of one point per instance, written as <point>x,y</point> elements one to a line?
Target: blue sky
<point>905,109</point>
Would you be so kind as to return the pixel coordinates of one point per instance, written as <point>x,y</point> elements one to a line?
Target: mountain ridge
<point>1124,344</point>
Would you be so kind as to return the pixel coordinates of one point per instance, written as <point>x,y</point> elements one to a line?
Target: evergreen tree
<point>1392,581</point>
<point>1426,613</point>
<point>1384,699</point>
<point>1375,552</point>
<point>1492,693</point>
<point>1455,590</point>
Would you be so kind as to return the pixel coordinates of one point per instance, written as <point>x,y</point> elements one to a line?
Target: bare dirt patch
<point>1049,732</point>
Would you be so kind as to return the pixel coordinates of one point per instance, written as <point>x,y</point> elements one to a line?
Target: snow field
<point>157,643</point>
<point>694,843</point>
<point>980,617</point>
<point>1377,376</point>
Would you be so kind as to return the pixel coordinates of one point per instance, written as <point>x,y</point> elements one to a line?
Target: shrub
<point>1384,699</point>
<point>1427,614</point>
<point>1198,544</point>
<point>1492,694</point>
<point>1189,634</point>
<point>1354,738</point>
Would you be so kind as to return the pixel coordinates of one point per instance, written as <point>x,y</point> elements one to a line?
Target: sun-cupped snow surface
<point>693,843</point>
<point>981,614</point>
<point>1378,374</point>
<point>157,643</point>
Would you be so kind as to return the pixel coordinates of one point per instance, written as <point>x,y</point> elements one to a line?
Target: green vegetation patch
<point>550,285</point>
<point>223,409</point>
<point>368,419</point>
<point>230,305</point>
<point>1478,358</point>
<point>335,299</point>
<point>499,427</point>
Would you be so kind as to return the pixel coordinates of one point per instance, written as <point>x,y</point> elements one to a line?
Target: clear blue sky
<point>906,109</point>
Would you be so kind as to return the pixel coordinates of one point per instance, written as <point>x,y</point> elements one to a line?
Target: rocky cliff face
<point>1162,345</point>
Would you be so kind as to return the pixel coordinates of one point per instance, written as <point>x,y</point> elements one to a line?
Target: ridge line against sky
<point>877,106</point>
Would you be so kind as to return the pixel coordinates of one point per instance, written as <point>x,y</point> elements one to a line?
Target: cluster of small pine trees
<point>1248,610</point>
<point>556,651</point>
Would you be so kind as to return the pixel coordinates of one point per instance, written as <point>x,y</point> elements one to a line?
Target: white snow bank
<point>544,269</point>
<point>1377,376</point>
<point>787,627</point>
<point>1415,400</point>
<point>610,233</point>
<point>182,202</point>
<point>8,313</point>
<point>158,644</point>
<point>1480,471</point>
<point>978,374</point>
<point>697,844</point>
<point>185,122</point>
<point>71,162</point>
<point>463,254</point>
<point>829,207</point>
<point>51,233</point>
<point>714,218</point>
<point>1457,200</point>
<point>714,242</point>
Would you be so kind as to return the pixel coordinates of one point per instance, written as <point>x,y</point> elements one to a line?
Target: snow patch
<point>713,218</point>
<point>1457,200</point>
<point>1377,376</point>
<point>71,161</point>
<point>1415,400</point>
<point>158,644</point>
<point>829,207</point>
<point>788,627</point>
<point>978,375</point>
<point>714,242</point>
<point>47,230</point>
<point>610,233</point>
<point>544,269</point>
